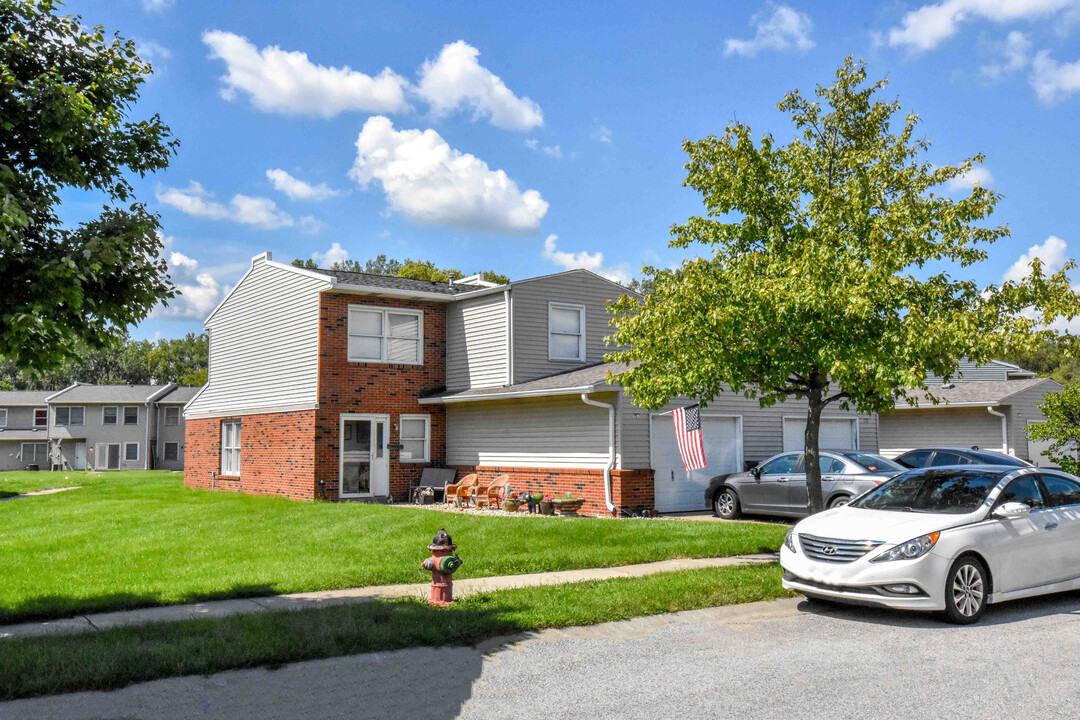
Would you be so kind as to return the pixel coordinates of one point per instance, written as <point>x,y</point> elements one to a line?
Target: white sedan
<point>950,539</point>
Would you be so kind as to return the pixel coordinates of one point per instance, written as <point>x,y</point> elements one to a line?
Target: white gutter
<point>391,292</point>
<point>1004,428</point>
<point>508,302</point>
<point>611,447</point>
<point>511,395</point>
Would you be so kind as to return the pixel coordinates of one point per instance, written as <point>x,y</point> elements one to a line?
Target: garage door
<point>833,434</point>
<point>676,490</point>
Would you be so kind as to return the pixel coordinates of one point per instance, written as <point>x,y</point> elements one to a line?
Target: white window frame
<point>46,416</point>
<point>427,437</point>
<point>238,448</point>
<point>165,451</point>
<point>4,415</point>
<point>22,452</point>
<point>386,311</point>
<point>165,416</point>
<point>125,457</point>
<point>125,423</point>
<point>116,415</point>
<point>69,408</point>
<point>581,336</point>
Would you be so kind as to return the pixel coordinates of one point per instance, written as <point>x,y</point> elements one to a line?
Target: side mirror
<point>1009,510</point>
<point>756,471</point>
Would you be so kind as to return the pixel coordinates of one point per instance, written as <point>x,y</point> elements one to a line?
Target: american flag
<point>688,434</point>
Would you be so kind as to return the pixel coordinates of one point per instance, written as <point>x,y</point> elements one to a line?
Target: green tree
<point>816,287</point>
<point>414,269</point>
<point>309,263</point>
<point>65,95</point>
<point>1062,427</point>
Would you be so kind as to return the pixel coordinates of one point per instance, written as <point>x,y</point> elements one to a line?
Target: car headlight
<point>910,550</point>
<point>789,540</point>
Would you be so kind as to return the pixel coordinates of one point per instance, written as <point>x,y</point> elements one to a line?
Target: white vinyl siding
<point>476,343</point>
<point>566,332</point>
<point>109,415</point>
<point>415,438</point>
<point>230,447</point>
<point>264,345</point>
<point>385,335</point>
<point>171,415</point>
<point>541,432</point>
<point>69,415</point>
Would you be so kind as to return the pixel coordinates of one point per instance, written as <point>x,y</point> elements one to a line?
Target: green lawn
<point>115,658</point>
<point>140,538</point>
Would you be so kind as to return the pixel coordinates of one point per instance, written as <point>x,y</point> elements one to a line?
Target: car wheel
<point>967,588</point>
<point>726,504</point>
<point>839,501</point>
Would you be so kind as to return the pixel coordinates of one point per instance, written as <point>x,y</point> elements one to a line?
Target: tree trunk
<point>816,503</point>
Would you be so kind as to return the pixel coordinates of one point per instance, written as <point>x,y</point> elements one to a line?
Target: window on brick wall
<point>386,336</point>
<point>415,439</point>
<point>230,447</point>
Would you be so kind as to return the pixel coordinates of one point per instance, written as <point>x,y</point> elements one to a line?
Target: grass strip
<point>116,658</point>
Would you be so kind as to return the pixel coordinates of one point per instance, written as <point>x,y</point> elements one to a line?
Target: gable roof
<point>107,394</point>
<point>582,380</point>
<point>24,398</point>
<point>975,394</point>
<point>390,282</point>
<point>180,395</point>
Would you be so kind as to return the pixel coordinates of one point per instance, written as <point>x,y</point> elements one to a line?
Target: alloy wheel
<point>725,504</point>
<point>968,590</point>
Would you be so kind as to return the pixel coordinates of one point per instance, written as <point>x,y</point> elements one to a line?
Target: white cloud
<point>978,174</point>
<point>198,292</point>
<point>589,261</point>
<point>784,29</point>
<point>259,212</point>
<point>298,189</point>
<point>553,151</point>
<point>928,26</point>
<point>336,253</point>
<point>156,5</point>
<point>287,82</point>
<point>602,134</point>
<point>1054,81</point>
<point>1052,253</point>
<point>149,50</point>
<point>1016,54</point>
<point>429,181</point>
<point>456,81</point>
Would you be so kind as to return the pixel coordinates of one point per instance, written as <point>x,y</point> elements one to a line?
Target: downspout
<point>611,446</point>
<point>509,303</point>
<point>1004,429</point>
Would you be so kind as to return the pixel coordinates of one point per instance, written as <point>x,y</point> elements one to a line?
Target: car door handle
<point>1050,526</point>
<point>781,479</point>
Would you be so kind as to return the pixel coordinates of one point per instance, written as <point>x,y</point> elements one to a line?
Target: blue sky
<point>534,138</point>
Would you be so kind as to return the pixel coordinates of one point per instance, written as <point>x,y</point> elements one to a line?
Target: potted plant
<point>547,507</point>
<point>568,504</point>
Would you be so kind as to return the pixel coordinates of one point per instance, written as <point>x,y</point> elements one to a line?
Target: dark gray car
<point>778,485</point>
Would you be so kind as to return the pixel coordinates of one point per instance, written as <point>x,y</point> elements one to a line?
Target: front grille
<point>858,589</point>
<point>834,550</point>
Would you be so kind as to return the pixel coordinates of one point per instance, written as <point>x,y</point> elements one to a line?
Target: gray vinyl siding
<point>762,428</point>
<point>476,343</point>
<point>1023,410</point>
<point>264,345</point>
<point>9,456</point>
<point>93,431</point>
<point>169,433</point>
<point>973,372</point>
<point>20,418</point>
<point>903,430</point>
<point>535,432</point>
<point>529,301</point>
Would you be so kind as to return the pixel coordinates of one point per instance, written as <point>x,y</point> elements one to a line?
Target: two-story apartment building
<point>339,385</point>
<point>94,427</point>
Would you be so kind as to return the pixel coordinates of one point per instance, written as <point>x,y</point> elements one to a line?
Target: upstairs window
<point>41,417</point>
<point>69,416</point>
<point>109,415</point>
<point>131,415</point>
<point>385,336</point>
<point>172,415</point>
<point>566,332</point>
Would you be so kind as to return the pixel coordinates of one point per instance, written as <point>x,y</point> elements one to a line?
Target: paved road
<point>767,660</point>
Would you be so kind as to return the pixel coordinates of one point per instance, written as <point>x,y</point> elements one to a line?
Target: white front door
<point>80,455</point>
<point>675,489</point>
<point>364,458</point>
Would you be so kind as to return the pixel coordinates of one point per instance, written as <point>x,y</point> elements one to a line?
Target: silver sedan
<point>778,485</point>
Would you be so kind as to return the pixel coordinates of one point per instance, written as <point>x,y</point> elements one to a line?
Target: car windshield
<point>932,491</point>
<point>875,463</point>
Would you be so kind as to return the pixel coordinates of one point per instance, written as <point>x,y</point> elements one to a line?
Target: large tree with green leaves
<point>828,270</point>
<point>413,269</point>
<point>66,92</point>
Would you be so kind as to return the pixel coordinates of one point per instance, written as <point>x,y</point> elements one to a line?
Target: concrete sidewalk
<point>326,598</point>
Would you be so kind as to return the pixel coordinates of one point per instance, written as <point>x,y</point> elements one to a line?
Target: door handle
<point>781,479</point>
<point>1050,526</point>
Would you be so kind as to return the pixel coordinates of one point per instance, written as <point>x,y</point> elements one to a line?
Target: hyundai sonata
<point>951,539</point>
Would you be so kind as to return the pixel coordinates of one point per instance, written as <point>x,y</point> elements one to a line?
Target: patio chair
<point>489,494</point>
<point>463,490</point>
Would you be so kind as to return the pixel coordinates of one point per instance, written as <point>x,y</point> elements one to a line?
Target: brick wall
<point>276,455</point>
<point>629,488</point>
<point>350,387</point>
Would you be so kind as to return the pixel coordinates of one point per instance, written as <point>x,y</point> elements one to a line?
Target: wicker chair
<point>490,493</point>
<point>461,491</point>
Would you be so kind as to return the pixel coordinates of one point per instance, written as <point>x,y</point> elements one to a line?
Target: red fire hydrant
<point>442,564</point>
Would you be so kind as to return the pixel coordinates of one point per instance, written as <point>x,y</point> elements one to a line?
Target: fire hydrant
<point>442,564</point>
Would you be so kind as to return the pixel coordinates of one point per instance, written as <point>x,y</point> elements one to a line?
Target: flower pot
<point>568,506</point>
<point>547,508</point>
<point>510,505</point>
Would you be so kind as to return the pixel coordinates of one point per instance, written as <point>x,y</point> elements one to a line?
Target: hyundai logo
<point>828,550</point>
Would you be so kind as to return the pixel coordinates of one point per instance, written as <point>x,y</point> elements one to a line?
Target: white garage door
<point>833,434</point>
<point>676,490</point>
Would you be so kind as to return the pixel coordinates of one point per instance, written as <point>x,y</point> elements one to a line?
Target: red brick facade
<point>629,488</point>
<point>277,455</point>
<point>351,387</point>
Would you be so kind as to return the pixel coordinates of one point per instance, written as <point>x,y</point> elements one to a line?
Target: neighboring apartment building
<point>339,385</point>
<point>94,427</point>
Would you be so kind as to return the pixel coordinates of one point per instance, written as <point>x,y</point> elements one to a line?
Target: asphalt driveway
<point>767,660</point>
